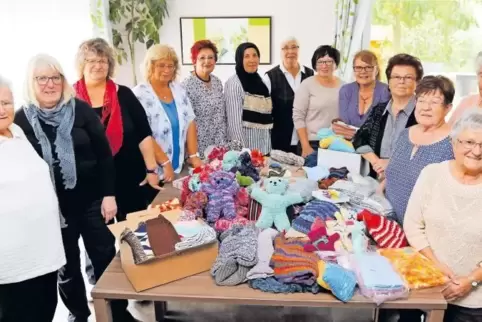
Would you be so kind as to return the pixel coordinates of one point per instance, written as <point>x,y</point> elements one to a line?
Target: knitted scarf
<point>111,112</point>
<point>62,118</point>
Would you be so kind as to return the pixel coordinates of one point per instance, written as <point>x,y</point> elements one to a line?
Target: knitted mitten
<point>321,241</point>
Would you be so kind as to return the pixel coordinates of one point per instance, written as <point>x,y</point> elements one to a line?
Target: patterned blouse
<point>403,170</point>
<point>208,105</point>
<point>250,137</point>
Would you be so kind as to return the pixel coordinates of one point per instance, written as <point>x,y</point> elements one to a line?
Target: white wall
<point>312,22</point>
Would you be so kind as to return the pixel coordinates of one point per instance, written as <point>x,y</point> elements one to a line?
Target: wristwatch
<point>195,155</point>
<point>148,171</point>
<point>473,282</point>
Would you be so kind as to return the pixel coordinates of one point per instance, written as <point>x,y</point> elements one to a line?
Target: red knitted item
<point>257,158</point>
<point>318,223</point>
<point>387,233</point>
<point>241,202</point>
<point>185,191</point>
<point>217,153</point>
<point>321,241</point>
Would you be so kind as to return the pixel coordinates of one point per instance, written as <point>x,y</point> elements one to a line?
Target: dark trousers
<point>99,244</point>
<point>314,145</point>
<point>455,313</point>
<point>33,300</point>
<point>404,315</point>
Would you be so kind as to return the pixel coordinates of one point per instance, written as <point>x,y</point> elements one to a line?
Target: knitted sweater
<point>446,215</point>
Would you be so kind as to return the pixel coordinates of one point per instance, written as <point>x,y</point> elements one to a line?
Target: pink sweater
<point>467,103</point>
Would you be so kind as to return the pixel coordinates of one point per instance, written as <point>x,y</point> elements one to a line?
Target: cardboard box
<point>165,270</point>
<point>352,161</point>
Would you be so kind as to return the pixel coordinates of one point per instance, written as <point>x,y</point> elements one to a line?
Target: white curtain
<point>99,14</point>
<point>352,18</point>
<point>54,27</point>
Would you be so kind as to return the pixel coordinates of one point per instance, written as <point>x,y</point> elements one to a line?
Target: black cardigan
<point>371,132</point>
<point>93,157</point>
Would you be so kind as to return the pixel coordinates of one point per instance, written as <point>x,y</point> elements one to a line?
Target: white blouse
<point>30,235</point>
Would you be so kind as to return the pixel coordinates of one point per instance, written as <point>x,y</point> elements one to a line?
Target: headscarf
<point>251,82</point>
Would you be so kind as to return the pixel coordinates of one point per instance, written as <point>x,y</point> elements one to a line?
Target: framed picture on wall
<point>227,33</point>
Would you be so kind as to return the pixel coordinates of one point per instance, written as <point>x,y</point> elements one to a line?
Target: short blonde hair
<point>96,46</point>
<point>43,60</point>
<point>157,52</point>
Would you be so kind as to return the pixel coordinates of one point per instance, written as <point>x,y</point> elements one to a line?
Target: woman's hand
<point>342,130</point>
<point>457,288</point>
<point>306,151</point>
<point>380,165</point>
<point>153,180</point>
<point>196,162</point>
<point>108,208</point>
<point>445,269</point>
<point>168,172</point>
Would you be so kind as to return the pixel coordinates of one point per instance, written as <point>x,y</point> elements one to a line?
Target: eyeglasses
<point>290,48</point>
<point>359,69</point>
<point>403,79</point>
<point>43,80</point>
<point>429,103</point>
<point>164,66</point>
<point>324,62</point>
<point>6,104</point>
<point>97,61</point>
<point>469,144</point>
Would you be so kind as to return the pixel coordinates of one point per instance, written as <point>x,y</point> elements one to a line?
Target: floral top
<point>159,121</point>
<point>208,105</point>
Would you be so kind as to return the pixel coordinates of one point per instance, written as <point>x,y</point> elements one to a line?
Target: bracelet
<point>165,163</point>
<point>195,155</point>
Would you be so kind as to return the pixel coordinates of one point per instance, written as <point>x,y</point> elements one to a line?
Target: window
<point>54,27</point>
<point>444,34</point>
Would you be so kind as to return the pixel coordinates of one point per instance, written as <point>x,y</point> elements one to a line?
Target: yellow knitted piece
<point>325,143</point>
<point>321,271</point>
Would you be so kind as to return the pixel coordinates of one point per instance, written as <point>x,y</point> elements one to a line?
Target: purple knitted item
<point>221,191</point>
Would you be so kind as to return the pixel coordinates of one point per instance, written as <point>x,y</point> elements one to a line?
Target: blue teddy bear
<point>274,202</point>
<point>221,191</point>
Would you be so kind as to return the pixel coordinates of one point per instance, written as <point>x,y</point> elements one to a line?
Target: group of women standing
<point>105,147</point>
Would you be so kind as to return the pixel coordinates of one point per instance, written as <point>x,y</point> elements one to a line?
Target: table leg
<point>160,310</point>
<point>103,312</point>
<point>435,316</point>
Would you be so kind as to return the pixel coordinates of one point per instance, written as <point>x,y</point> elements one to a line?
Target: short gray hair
<point>289,39</point>
<point>5,83</point>
<point>471,119</point>
<point>478,63</point>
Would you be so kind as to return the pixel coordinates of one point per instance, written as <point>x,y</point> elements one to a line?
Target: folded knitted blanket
<point>292,264</point>
<point>237,254</point>
<point>272,285</point>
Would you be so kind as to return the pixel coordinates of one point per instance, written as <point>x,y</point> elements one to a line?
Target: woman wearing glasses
<point>205,91</point>
<point>67,134</point>
<point>168,108</point>
<point>357,98</point>
<point>125,124</point>
<point>377,137</point>
<point>316,100</point>
<point>442,220</point>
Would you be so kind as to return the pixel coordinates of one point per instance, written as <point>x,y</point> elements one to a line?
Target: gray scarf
<point>62,118</point>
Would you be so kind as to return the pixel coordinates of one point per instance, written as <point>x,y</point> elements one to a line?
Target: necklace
<point>206,81</point>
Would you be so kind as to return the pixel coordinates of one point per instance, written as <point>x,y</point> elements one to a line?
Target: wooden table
<point>200,288</point>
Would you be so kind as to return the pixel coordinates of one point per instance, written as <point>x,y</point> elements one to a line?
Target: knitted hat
<point>292,264</point>
<point>318,208</point>
<point>237,254</point>
<point>321,241</point>
<point>287,158</point>
<point>386,233</point>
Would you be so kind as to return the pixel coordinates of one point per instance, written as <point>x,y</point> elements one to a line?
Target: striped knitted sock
<point>287,158</point>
